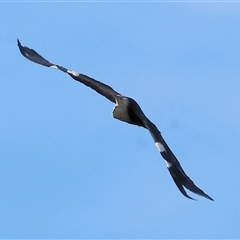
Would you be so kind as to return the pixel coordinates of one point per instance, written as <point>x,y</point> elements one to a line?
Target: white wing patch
<point>160,147</point>
<point>73,73</point>
<point>54,66</point>
<point>168,164</point>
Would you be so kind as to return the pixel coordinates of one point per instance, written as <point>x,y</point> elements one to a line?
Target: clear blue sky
<point>69,170</point>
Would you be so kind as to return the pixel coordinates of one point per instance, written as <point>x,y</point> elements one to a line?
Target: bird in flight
<point>127,110</point>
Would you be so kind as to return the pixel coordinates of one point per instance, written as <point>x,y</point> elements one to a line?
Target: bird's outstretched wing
<point>179,176</point>
<point>99,87</point>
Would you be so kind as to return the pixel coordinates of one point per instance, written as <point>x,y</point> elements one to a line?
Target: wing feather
<point>98,86</point>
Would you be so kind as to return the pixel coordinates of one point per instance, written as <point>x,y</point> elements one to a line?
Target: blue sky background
<point>69,170</point>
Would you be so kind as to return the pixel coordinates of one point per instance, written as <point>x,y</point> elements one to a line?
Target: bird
<point>127,110</point>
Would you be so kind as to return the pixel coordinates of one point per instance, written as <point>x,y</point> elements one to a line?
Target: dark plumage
<point>127,110</point>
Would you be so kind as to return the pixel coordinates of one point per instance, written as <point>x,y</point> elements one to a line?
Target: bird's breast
<point>121,113</point>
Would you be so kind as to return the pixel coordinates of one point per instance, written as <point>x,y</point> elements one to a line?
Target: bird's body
<point>127,110</point>
<point>121,110</point>
<point>124,111</point>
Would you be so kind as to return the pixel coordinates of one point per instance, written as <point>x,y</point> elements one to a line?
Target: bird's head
<point>120,99</point>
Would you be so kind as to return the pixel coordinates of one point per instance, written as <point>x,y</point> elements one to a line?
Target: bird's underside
<point>127,110</point>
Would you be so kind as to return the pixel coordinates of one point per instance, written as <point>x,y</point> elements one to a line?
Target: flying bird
<point>127,110</point>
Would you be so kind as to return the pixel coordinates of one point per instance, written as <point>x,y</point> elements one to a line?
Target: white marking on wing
<point>168,164</point>
<point>54,66</point>
<point>73,73</point>
<point>160,147</point>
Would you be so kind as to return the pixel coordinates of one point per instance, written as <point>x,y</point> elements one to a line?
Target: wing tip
<point>208,197</point>
<point>19,44</point>
<point>187,183</point>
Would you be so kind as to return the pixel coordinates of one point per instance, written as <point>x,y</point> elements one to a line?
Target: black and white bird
<point>127,110</point>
